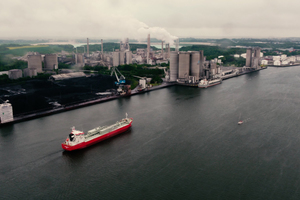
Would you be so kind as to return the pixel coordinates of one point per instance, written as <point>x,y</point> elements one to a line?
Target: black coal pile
<point>38,95</point>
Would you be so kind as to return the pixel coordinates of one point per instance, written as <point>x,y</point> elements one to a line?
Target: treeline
<point>212,52</point>
<point>129,71</point>
<point>5,80</point>
<point>47,49</point>
<point>8,64</point>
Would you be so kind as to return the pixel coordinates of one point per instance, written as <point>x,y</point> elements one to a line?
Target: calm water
<point>184,144</point>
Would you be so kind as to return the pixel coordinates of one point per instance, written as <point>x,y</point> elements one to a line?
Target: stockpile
<point>43,94</point>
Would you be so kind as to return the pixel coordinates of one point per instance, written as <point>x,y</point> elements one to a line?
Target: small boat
<point>240,122</point>
<point>79,140</point>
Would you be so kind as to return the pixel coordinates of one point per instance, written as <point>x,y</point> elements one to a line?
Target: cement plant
<point>81,83</point>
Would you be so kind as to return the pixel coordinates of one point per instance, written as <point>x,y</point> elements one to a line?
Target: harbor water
<point>184,143</point>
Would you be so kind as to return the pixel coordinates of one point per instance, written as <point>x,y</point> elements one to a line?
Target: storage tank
<point>50,61</point>
<point>184,65</point>
<point>195,57</point>
<point>30,72</point>
<point>116,59</point>
<point>174,59</point>
<point>15,73</point>
<point>35,61</point>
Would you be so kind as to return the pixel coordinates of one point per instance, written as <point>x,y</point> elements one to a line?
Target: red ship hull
<point>96,140</point>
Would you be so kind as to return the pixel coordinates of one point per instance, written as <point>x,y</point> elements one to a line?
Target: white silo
<point>15,73</point>
<point>195,57</point>
<point>50,62</point>
<point>128,57</point>
<point>116,58</point>
<point>122,58</point>
<point>184,65</point>
<point>35,61</point>
<point>174,59</point>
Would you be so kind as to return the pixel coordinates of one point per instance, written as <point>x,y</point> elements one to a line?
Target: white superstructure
<point>6,112</point>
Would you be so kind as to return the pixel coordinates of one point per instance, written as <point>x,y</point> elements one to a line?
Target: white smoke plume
<point>65,19</point>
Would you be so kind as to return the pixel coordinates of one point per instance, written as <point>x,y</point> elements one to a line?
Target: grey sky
<point>163,19</point>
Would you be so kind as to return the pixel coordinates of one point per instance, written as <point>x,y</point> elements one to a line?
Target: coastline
<point>88,102</point>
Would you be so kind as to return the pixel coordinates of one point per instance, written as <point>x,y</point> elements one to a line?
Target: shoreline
<point>88,102</point>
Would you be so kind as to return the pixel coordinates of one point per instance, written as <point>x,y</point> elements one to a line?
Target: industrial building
<point>50,62</point>
<point>191,67</point>
<point>35,61</point>
<point>122,56</point>
<point>15,73</point>
<point>253,58</point>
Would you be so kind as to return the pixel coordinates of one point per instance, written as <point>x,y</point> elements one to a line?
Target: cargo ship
<point>79,140</point>
<point>204,83</point>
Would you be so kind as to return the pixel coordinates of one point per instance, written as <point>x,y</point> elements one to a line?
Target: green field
<point>43,49</point>
<point>26,47</point>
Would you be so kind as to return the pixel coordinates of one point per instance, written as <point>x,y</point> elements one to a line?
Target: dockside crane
<point>120,80</point>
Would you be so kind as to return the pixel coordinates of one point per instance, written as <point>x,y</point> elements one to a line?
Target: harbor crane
<point>120,80</point>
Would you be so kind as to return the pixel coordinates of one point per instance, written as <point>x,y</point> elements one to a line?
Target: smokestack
<point>177,45</point>
<point>201,64</point>
<point>87,48</point>
<point>102,46</point>
<point>148,48</point>
<point>169,50</point>
<point>162,49</point>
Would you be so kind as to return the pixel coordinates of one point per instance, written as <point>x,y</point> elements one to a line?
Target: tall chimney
<point>148,48</point>
<point>87,48</point>
<point>201,64</point>
<point>102,46</point>
<point>169,50</point>
<point>177,45</point>
<point>162,49</point>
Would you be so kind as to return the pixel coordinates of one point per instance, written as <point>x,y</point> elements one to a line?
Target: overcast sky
<point>163,19</point>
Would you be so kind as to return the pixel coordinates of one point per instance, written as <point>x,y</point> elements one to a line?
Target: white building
<point>264,62</point>
<point>243,55</point>
<point>276,58</point>
<point>283,57</point>
<point>277,63</point>
<point>292,59</point>
<point>6,112</point>
<point>236,55</point>
<point>261,54</point>
<point>285,62</point>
